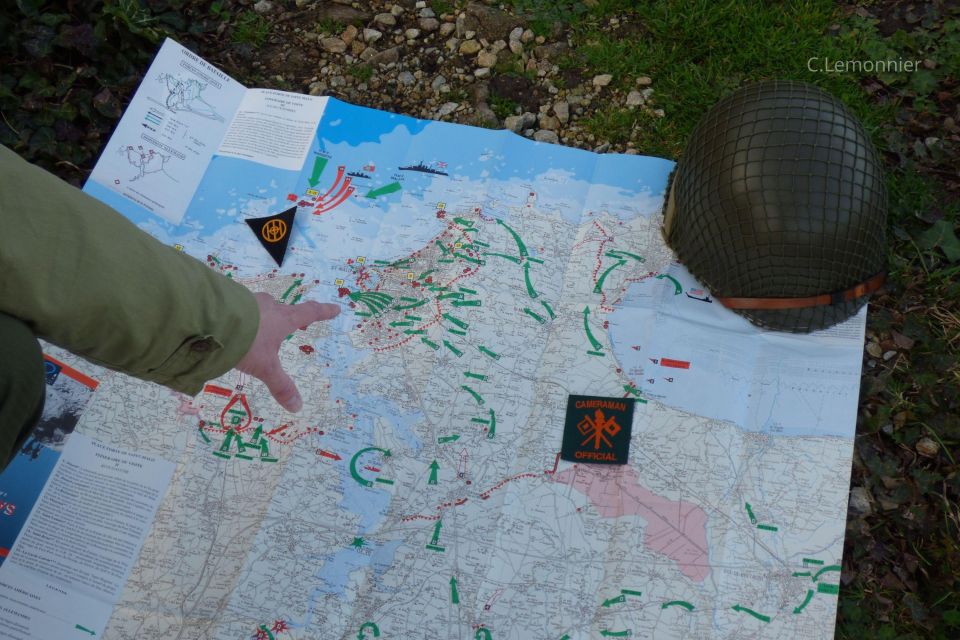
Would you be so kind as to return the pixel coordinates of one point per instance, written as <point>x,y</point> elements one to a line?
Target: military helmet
<point>778,206</point>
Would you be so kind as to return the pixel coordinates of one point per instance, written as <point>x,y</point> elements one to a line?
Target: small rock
<point>485,59</point>
<point>927,447</point>
<point>396,10</point>
<point>551,123</point>
<point>263,7</point>
<point>438,82</point>
<point>385,20</point>
<point>447,28</point>
<point>543,135</point>
<point>447,108</point>
<point>470,47</point>
<point>602,80</point>
<point>386,56</point>
<point>874,349</point>
<point>485,114</point>
<point>482,72</point>
<point>429,25</point>
<point>527,36</point>
<point>887,355</point>
<point>860,502</point>
<point>427,12</point>
<point>349,34</point>
<point>412,34</point>
<point>562,111</point>
<point>516,47</point>
<point>516,34</point>
<point>634,99</point>
<point>540,39</point>
<point>644,81</point>
<point>646,93</point>
<point>406,78</point>
<point>513,123</point>
<point>368,54</point>
<point>469,35</point>
<point>333,45</point>
<point>371,35</point>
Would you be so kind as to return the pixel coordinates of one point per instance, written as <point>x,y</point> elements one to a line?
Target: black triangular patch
<point>273,232</point>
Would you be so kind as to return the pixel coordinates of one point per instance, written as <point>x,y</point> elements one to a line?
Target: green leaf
<point>923,82</point>
<point>941,235</point>
<point>952,618</point>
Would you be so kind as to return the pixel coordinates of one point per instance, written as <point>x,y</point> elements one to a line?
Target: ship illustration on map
<point>424,168</point>
<point>358,174</point>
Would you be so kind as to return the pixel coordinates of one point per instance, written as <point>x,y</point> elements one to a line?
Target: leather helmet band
<point>838,297</point>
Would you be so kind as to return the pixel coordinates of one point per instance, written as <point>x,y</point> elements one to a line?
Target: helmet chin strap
<point>838,297</point>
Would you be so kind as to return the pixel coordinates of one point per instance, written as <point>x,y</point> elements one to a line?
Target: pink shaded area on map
<point>677,530</point>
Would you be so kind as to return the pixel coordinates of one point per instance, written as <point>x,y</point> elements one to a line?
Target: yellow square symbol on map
<point>361,260</point>
<point>338,282</point>
<point>410,276</point>
<point>312,192</point>
<point>458,245</point>
<point>441,206</point>
<point>178,247</point>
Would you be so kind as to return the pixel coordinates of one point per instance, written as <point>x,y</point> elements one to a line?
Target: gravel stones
<point>333,45</point>
<point>485,59</point>
<point>406,78</point>
<point>263,7</point>
<point>562,111</point>
<point>519,124</point>
<point>371,35</point>
<point>447,108</point>
<point>602,80</point>
<point>635,99</point>
<point>543,135</point>
<point>488,22</point>
<point>429,25</point>
<point>470,47</point>
<point>385,21</point>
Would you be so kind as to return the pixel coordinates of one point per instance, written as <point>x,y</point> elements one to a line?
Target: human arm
<point>85,278</point>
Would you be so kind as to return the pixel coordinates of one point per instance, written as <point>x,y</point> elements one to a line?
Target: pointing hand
<point>277,321</point>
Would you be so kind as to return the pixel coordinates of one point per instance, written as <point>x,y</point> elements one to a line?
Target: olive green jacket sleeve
<point>85,278</point>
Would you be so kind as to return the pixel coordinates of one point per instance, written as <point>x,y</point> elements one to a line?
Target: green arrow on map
<point>84,629</point>
<point>606,633</point>
<point>393,187</point>
<point>758,616</point>
<point>365,626</point>
<point>353,464</point>
<point>678,288</point>
<point>436,532</point>
<point>451,438</point>
<point>319,164</point>
<point>599,286</point>
<point>805,602</point>
<point>753,518</point>
<point>434,467</point>
<point>586,325</point>
<point>618,599</point>
<point>483,634</point>
<point>454,596</point>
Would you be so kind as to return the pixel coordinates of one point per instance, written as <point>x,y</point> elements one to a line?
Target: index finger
<point>306,313</point>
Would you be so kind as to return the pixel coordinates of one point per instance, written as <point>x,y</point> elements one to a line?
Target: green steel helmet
<point>778,206</point>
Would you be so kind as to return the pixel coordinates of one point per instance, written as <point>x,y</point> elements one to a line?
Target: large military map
<point>484,278</point>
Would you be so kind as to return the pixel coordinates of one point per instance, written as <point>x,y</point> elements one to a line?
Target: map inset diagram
<point>146,161</point>
<point>186,95</point>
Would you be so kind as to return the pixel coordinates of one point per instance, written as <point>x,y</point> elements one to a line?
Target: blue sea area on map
<point>730,379</point>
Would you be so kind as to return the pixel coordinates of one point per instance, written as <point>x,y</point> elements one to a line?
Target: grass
<point>251,28</point>
<point>503,107</point>
<point>362,72</point>
<point>698,50</point>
